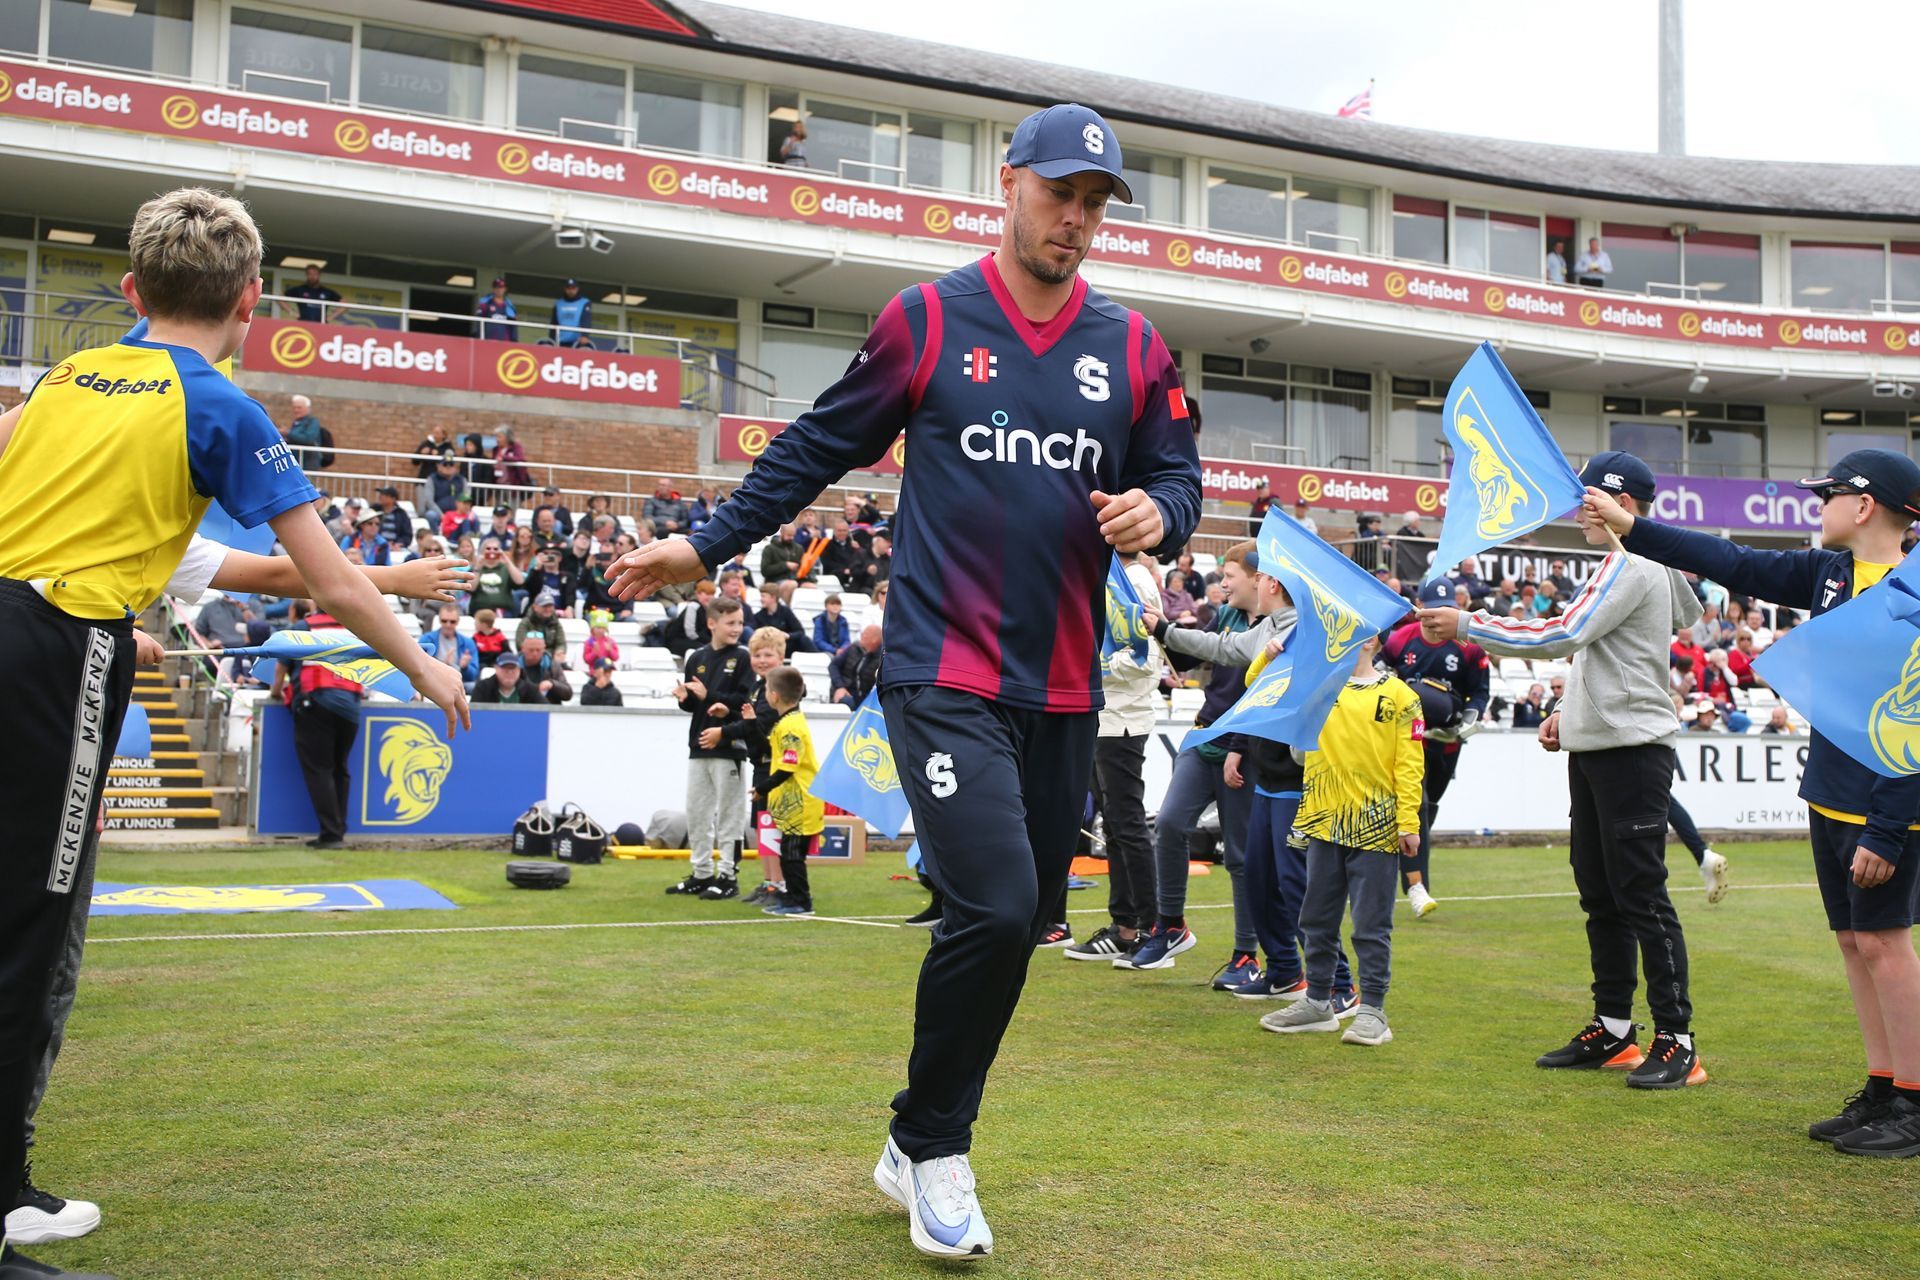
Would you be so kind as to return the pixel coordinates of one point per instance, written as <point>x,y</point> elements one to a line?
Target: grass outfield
<point>709,1101</point>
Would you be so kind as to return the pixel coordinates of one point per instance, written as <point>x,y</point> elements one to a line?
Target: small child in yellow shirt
<point>791,767</point>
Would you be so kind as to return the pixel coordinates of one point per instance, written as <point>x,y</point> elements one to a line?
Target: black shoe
<point>1595,1046</point>
<point>1669,1065</point>
<point>929,917</point>
<point>1895,1135</point>
<point>1859,1112</point>
<point>692,884</point>
<point>721,888</point>
<point>324,842</point>
<point>18,1266</point>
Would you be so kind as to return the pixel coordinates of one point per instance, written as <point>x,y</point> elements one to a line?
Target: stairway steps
<point>162,820</point>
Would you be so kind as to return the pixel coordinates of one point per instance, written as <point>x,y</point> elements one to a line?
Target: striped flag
<point>1359,106</point>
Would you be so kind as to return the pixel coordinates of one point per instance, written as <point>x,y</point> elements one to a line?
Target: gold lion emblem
<point>415,764</point>
<point>180,897</point>
<point>1894,723</point>
<point>1501,484</point>
<point>1344,626</point>
<point>1267,695</point>
<point>867,751</point>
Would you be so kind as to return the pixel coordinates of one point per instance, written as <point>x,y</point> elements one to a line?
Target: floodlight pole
<point>1673,79</point>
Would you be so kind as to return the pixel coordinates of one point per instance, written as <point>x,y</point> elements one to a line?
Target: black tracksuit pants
<point>323,743</point>
<point>997,795</point>
<point>1619,857</point>
<point>1441,764</point>
<point>1119,767</point>
<point>67,682</point>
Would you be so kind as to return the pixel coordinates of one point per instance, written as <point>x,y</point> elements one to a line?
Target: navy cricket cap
<point>1439,591</point>
<point>1062,140</point>
<point>1891,478</point>
<point>1617,472</point>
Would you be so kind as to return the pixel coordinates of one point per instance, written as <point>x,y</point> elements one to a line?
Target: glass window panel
<point>1640,255</point>
<point>805,364</point>
<point>1156,187</point>
<point>686,115</point>
<point>1332,426</point>
<point>1419,229</point>
<point>20,25</point>
<point>1329,216</point>
<point>939,153</point>
<point>1658,444</point>
<point>1248,204</point>
<point>1842,443</point>
<point>1843,276</point>
<point>282,54</point>
<point>1414,431</point>
<point>1241,414</point>
<point>1470,239</point>
<point>783,112</point>
<point>550,90</point>
<point>139,35</point>
<point>1513,246</point>
<point>415,71</point>
<point>1726,449</point>
<point>853,142</point>
<point>1725,268</point>
<point>1906,272</point>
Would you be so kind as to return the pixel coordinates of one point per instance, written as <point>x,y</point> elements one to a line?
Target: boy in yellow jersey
<point>106,475</point>
<point>1360,812</point>
<point>791,766</point>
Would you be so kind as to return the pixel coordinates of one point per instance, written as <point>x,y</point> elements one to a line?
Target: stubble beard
<point>1035,262</point>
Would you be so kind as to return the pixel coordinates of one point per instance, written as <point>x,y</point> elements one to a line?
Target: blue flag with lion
<point>340,652</point>
<point>1126,616</point>
<point>858,774</point>
<point>1509,477</point>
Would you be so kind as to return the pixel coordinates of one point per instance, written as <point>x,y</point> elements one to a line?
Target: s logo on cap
<point>1096,139</point>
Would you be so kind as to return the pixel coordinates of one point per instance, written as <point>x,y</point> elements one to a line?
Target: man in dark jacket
<point>396,526</point>
<point>506,686</point>
<point>857,667</point>
<point>780,562</point>
<point>776,613</point>
<point>844,556</point>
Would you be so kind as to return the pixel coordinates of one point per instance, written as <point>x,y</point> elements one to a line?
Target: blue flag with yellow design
<point>1126,616</point>
<point>1854,673</point>
<point>1337,606</point>
<point>1509,477</point>
<point>858,774</point>
<point>340,652</point>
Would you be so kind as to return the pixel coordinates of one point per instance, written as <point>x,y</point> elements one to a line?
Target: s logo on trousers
<point>940,774</point>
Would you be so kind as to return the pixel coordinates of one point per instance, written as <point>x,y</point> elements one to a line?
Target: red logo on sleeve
<point>1176,403</point>
<point>791,757</point>
<point>1419,730</point>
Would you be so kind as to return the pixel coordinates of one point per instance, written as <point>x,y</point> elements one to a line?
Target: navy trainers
<point>1158,951</point>
<point>1236,971</point>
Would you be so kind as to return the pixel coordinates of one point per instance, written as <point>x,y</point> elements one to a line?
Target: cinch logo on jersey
<point>120,386</point>
<point>862,207</point>
<point>724,188</point>
<point>1118,242</point>
<point>62,96</point>
<point>375,353</point>
<point>247,120</point>
<point>1060,451</point>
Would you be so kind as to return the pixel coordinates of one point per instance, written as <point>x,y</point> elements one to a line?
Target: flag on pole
<point>1854,673</point>
<point>1509,477</point>
<point>1126,616</point>
<point>1359,106</point>
<point>1337,606</point>
<point>340,652</point>
<point>859,774</point>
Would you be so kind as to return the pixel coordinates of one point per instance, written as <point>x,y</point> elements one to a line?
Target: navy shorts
<point>1885,906</point>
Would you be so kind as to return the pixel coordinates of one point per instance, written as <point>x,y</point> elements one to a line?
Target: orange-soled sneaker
<point>1594,1046</point>
<point>1669,1065</point>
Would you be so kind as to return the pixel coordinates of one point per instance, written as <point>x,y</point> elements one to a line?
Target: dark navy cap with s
<point>1059,141</point>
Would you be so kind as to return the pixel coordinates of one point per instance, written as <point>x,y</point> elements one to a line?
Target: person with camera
<point>542,620</point>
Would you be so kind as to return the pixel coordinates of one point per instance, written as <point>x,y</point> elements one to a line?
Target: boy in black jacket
<point>766,652</point>
<point>1866,849</point>
<point>717,684</point>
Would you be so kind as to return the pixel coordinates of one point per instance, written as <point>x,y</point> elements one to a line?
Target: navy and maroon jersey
<point>998,578</point>
<point>1460,666</point>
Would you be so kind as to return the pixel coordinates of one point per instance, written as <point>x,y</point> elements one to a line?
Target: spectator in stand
<point>597,592</point>
<point>1706,718</point>
<point>1562,584</point>
<point>1682,676</point>
<point>700,510</point>
<point>1461,598</point>
<point>1711,631</point>
<point>477,463</point>
<point>606,532</point>
<point>310,440</point>
<point>510,461</point>
<point>348,520</point>
<point>312,296</point>
<point>1557,263</point>
<point>856,668</point>
<point>576,567</point>
<point>1504,597</point>
<point>830,634</point>
<point>1740,660</point>
<point>734,581</point>
<point>502,526</point>
<point>365,540</point>
<point>854,512</point>
<point>1556,690</point>
<point>488,639</point>
<point>598,505</point>
<point>665,509</point>
<point>776,613</point>
<point>447,644</point>
<point>542,671</point>
<point>1594,266</point>
<point>572,312</point>
<point>780,562</point>
<point>430,450</point>
<point>1716,678</point>
<point>806,527</point>
<point>426,545</point>
<point>497,313</point>
<point>1530,711</point>
<point>520,554</point>
<point>494,580</point>
<point>687,629</point>
<point>542,620</point>
<point>875,614</point>
<point>546,529</point>
<point>1178,601</point>
<point>507,685</point>
<point>396,526</point>
<point>1546,602</point>
<point>1367,526</point>
<point>1257,511</point>
<point>793,147</point>
<point>1778,721</point>
<point>1467,574</point>
<point>1410,528</point>
<point>1205,611</point>
<point>600,643</point>
<point>448,489</point>
<point>844,557</point>
<point>1304,516</point>
<point>601,690</point>
<point>551,499</point>
<point>880,559</point>
<point>1684,647</point>
<point>1762,633</point>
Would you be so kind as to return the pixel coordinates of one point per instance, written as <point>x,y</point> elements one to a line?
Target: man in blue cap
<point>1048,430</point>
<point>1865,828</point>
<point>1617,727</point>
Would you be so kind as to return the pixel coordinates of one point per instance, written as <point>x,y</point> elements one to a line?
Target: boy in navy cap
<point>1866,853</point>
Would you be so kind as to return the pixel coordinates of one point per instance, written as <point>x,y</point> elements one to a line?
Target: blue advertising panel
<point>407,778</point>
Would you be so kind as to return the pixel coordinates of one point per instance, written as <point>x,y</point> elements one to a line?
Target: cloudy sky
<point>1766,79</point>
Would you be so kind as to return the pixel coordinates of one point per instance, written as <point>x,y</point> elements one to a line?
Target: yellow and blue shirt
<point>791,761</point>
<point>1362,787</point>
<point>113,463</point>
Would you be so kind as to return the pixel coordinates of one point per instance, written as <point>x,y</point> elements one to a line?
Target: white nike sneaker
<point>41,1217</point>
<point>1420,900</point>
<point>943,1215</point>
<point>1713,871</point>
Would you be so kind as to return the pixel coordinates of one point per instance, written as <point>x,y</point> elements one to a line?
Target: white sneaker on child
<point>1420,900</point>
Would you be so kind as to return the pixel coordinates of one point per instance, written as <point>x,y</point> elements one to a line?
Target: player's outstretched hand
<point>1599,506</point>
<point>664,562</point>
<point>440,684</point>
<point>434,578</point>
<point>1550,732</point>
<point>1439,625</point>
<point>1130,521</point>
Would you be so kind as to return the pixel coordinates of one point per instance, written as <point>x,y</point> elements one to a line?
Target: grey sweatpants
<point>66,979</point>
<point>1338,874</point>
<point>716,813</point>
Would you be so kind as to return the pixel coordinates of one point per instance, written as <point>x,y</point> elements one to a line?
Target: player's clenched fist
<point>638,574</point>
<point>1130,522</point>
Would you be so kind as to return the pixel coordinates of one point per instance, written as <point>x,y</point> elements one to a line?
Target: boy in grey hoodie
<point>1617,726</point>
